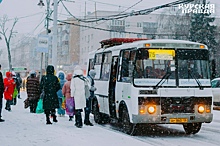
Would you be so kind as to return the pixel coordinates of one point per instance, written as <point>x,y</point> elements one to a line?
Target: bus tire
<point>192,128</point>
<point>126,125</point>
<point>96,113</point>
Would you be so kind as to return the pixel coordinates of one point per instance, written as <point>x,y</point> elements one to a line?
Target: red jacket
<point>9,85</point>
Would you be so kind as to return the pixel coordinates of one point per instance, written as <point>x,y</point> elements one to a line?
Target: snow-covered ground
<point>22,128</point>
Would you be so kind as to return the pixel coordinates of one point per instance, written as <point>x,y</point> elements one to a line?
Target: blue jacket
<point>61,76</point>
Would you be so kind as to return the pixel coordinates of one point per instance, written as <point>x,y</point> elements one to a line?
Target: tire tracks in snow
<point>159,135</point>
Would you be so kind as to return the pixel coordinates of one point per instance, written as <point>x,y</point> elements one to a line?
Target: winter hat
<point>61,75</point>
<point>13,73</point>
<point>77,71</point>
<point>92,73</point>
<point>32,72</point>
<point>8,74</point>
<point>50,70</point>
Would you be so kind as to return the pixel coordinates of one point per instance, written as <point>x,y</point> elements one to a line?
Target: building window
<point>117,23</point>
<point>88,38</point>
<point>139,24</point>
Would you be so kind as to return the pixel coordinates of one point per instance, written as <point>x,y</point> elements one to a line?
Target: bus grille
<point>171,105</point>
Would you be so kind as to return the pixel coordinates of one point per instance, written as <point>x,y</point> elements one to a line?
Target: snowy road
<point>22,128</point>
<point>174,135</point>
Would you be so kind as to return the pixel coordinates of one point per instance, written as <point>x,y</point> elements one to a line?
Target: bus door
<point>102,68</point>
<point>125,75</point>
<point>112,83</point>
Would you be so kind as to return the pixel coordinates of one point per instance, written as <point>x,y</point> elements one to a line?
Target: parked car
<point>215,83</point>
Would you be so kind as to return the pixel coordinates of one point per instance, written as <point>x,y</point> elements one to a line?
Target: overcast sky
<point>31,16</point>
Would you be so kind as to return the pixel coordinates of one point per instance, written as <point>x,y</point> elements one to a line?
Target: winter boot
<point>88,123</point>
<point>19,96</point>
<point>54,118</point>
<point>78,119</point>
<point>48,119</point>
<point>1,120</point>
<point>70,118</point>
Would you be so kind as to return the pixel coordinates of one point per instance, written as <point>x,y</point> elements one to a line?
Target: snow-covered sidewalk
<point>22,128</point>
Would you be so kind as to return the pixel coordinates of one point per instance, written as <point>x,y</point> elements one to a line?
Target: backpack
<point>86,84</point>
<point>87,90</point>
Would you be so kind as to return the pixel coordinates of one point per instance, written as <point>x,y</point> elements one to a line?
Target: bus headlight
<point>151,109</point>
<point>201,109</point>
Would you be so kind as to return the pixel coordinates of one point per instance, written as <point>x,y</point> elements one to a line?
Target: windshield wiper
<point>197,81</point>
<point>164,78</point>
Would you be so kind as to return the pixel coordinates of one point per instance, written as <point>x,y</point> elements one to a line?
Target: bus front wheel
<point>192,128</point>
<point>127,126</point>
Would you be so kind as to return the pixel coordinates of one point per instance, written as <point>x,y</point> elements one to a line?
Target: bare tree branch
<point>7,35</point>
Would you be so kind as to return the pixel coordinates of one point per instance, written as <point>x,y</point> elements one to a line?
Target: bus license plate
<point>178,120</point>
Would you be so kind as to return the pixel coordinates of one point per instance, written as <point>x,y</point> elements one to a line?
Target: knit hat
<point>32,72</point>
<point>92,73</point>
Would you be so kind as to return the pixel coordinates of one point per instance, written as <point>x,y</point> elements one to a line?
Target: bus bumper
<point>173,119</point>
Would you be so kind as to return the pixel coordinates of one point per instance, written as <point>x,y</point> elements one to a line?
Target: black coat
<point>50,85</point>
<point>1,85</point>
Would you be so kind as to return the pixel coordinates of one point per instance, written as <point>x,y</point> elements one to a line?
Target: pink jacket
<point>66,86</point>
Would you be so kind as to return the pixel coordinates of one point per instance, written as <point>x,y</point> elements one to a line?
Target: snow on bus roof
<point>171,41</point>
<point>119,41</point>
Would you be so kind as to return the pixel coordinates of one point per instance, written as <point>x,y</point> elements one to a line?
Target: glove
<point>93,88</point>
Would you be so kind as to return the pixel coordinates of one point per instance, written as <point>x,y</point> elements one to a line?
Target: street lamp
<point>41,3</point>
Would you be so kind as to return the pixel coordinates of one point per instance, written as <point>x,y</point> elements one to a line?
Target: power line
<point>134,13</point>
<point>103,29</point>
<point>122,11</point>
<point>107,3</point>
<point>25,16</point>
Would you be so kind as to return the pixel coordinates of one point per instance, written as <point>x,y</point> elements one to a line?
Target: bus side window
<point>91,65</point>
<point>106,66</point>
<point>97,65</point>
<point>125,66</point>
<point>131,63</point>
<point>114,68</point>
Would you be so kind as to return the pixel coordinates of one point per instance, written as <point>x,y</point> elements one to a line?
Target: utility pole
<point>47,31</point>
<point>41,4</point>
<point>54,45</point>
